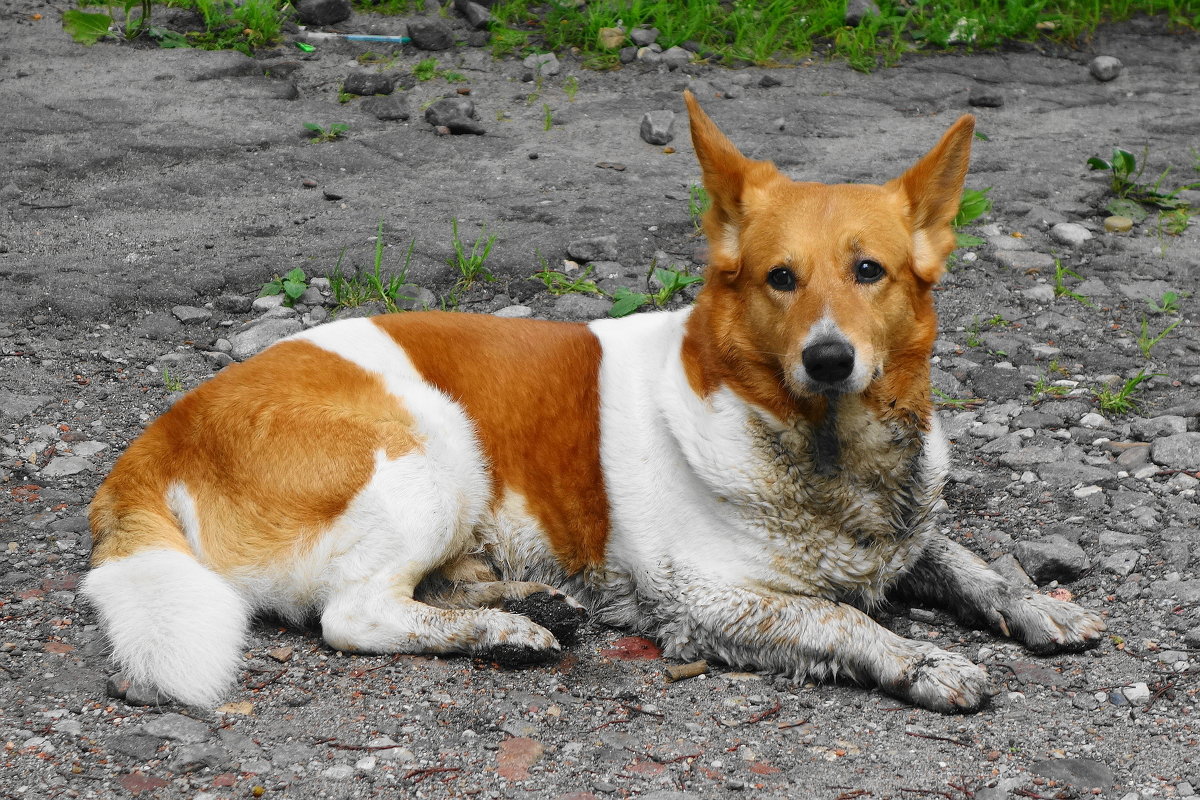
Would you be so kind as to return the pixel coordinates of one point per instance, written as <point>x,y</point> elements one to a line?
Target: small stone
<point>338,772</point>
<point>455,113</point>
<point>544,64</point>
<point>1024,260</point>
<point>234,303</point>
<point>644,37</point>
<point>1052,558</point>
<point>581,307</point>
<point>388,108</point>
<point>649,55</point>
<point>176,727</point>
<point>476,15</point>
<point>1178,451</point>
<point>610,38</point>
<point>1122,562</point>
<point>366,83</point>
<point>1040,293</point>
<point>65,466</point>
<point>628,54</point>
<point>323,12</point>
<point>1070,234</point>
<point>595,248</point>
<point>769,81</point>
<point>1155,427</point>
<point>858,10</point>
<point>190,314</point>
<point>192,757</point>
<point>430,34</point>
<point>1105,68</point>
<point>657,127</point>
<point>1137,693</point>
<point>676,57</point>
<point>267,302</point>
<point>1082,772</point>
<point>514,312</point>
<point>261,335</point>
<point>1118,224</point>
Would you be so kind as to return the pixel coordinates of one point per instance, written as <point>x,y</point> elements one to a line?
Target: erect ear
<point>727,175</point>
<point>932,188</point>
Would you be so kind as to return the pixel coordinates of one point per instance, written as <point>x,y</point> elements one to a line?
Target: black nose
<point>829,360</point>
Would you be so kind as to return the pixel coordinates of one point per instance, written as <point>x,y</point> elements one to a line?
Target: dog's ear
<point>727,175</point>
<point>933,189</point>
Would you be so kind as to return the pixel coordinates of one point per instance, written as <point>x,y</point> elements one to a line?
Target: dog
<point>741,480</point>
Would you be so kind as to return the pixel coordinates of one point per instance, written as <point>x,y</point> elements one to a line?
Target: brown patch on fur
<point>532,389</point>
<point>271,451</point>
<point>750,337</point>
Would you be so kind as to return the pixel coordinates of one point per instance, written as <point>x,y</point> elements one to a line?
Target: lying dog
<point>736,480</point>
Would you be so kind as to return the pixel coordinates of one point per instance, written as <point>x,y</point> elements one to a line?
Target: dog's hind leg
<point>949,576</point>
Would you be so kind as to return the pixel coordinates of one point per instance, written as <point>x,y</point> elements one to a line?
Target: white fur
<point>860,376</point>
<point>183,506</point>
<point>172,622</point>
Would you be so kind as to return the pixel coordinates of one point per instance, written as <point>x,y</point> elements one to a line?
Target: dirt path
<point>146,195</point>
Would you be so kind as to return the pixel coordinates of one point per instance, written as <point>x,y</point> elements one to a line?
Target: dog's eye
<point>867,271</point>
<point>781,279</point>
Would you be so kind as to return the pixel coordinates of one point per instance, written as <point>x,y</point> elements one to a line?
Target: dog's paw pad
<point>554,611</point>
<point>946,682</point>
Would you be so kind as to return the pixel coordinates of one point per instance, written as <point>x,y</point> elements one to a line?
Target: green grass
<point>1146,340</point>
<point>560,283</point>
<point>763,31</point>
<point>1121,400</point>
<point>671,282</point>
<point>472,266</point>
<point>365,286</point>
<point>1061,273</point>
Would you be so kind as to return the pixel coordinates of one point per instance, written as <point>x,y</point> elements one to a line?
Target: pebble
<point>544,64</point>
<point>191,757</point>
<point>430,33</point>
<point>1137,693</point>
<point>1053,558</point>
<point>15,406</point>
<point>514,312</point>
<point>858,10</point>
<point>1105,68</point>
<point>261,335</point>
<point>364,82</point>
<point>176,727</point>
<point>387,108</point>
<point>455,113</point>
<point>581,307</point>
<point>658,127</point>
<point>1118,224</point>
<point>676,57</point>
<point>643,37</point>
<point>323,12</point>
<point>610,38</point>
<point>1023,260</point>
<point>1040,293</point>
<point>1070,234</point>
<point>594,248</point>
<point>476,15</point>
<point>1178,451</point>
<point>65,466</point>
<point>189,315</point>
<point>267,302</point>
<point>1082,772</point>
<point>985,97</point>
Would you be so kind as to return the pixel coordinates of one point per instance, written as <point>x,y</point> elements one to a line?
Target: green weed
<point>472,266</point>
<point>944,399</point>
<point>1122,400</point>
<point>671,282</point>
<point>973,339</point>
<point>1043,387</point>
<point>366,286</point>
<point>317,134</point>
<point>172,383</point>
<point>1061,273</point>
<point>974,204</point>
<point>1167,304</point>
<point>560,283</point>
<point>698,204</point>
<point>426,69</point>
<point>291,286</point>
<point>570,88</point>
<point>1146,342</point>
<point>1126,185</point>
<point>547,117</point>
<point>1174,223</point>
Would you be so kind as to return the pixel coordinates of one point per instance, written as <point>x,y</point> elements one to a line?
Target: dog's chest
<point>840,507</point>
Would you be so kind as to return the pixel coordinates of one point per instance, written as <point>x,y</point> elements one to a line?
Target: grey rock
<point>430,34</point>
<point>411,297</point>
<point>676,57</point>
<point>514,312</point>
<point>176,727</point>
<point>595,248</point>
<point>628,55</point>
<point>1085,773</point>
<point>858,10</point>
<point>1105,68</point>
<point>1065,474</point>
<point>389,108</point>
<point>189,315</point>
<point>583,307</point>
<point>476,15</point>
<point>17,406</point>
<point>158,325</point>
<point>455,113</point>
<point>1144,290</point>
<point>65,466</point>
<point>191,757</point>
<point>267,302</point>
<point>1029,456</point>
<point>1115,540</point>
<point>545,64</point>
<point>261,335</point>
<point>1179,451</point>
<point>323,12</point>
<point>1053,558</point>
<point>88,449</point>
<point>1008,566</point>
<point>233,303</point>
<point>1183,591</point>
<point>1070,234</point>
<point>644,37</point>
<point>1121,562</point>
<point>137,746</point>
<point>1039,293</point>
<point>658,127</point>
<point>1022,260</point>
<point>365,83</point>
<point>1148,429</point>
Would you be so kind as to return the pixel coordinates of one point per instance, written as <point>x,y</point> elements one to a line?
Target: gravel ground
<point>146,195</point>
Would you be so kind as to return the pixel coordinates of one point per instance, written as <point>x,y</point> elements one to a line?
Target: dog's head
<point>817,290</point>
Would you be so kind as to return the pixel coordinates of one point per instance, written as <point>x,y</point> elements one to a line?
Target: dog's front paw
<point>559,613</point>
<point>1045,625</point>
<point>943,681</point>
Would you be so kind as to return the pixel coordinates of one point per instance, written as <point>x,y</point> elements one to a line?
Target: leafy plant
<point>1167,304</point>
<point>426,69</point>
<point>1175,222</point>
<point>171,382</point>
<point>1043,387</point>
<point>547,117</point>
<point>1061,289</point>
<point>317,134</point>
<point>698,204</point>
<point>559,283</point>
<point>944,399</point>
<point>291,286</point>
<point>1146,342</point>
<point>366,286</point>
<point>86,27</point>
<point>472,266</point>
<point>1122,400</point>
<point>671,282</point>
<point>571,87</point>
<point>973,205</point>
<point>1125,183</point>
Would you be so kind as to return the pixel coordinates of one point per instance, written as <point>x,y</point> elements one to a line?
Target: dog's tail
<point>172,622</point>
